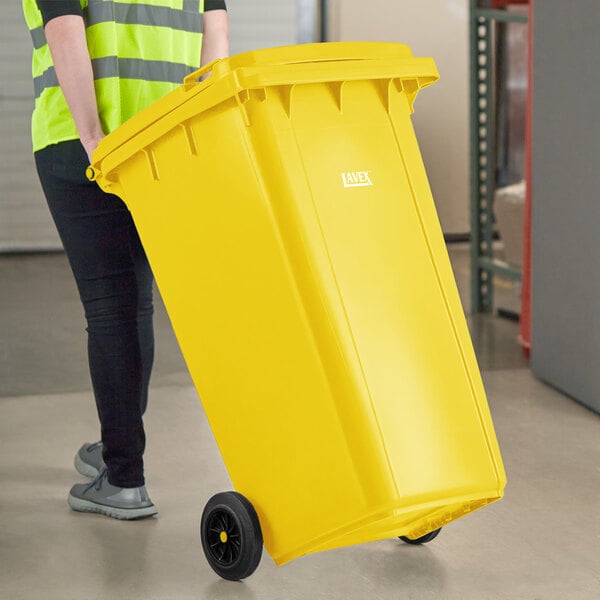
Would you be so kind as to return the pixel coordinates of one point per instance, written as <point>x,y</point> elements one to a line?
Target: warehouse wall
<point>24,218</point>
<point>262,24</point>
<point>437,28</point>
<point>25,223</point>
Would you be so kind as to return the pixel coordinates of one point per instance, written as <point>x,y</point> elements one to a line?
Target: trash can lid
<point>281,66</point>
<point>320,52</point>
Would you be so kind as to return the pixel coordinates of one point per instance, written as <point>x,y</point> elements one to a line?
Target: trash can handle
<point>190,80</point>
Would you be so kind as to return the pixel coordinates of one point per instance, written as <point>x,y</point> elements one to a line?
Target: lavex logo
<point>356,179</point>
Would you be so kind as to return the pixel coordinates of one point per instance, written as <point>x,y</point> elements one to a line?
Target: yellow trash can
<point>286,213</point>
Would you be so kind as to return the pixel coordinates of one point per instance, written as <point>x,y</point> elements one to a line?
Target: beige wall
<point>437,28</point>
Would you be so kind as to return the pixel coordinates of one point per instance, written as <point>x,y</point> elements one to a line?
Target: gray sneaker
<point>88,461</point>
<point>99,496</point>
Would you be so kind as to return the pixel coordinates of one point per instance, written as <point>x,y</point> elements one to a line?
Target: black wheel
<point>423,539</point>
<point>231,536</point>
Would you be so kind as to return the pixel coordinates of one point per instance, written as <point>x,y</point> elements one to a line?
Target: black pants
<point>115,286</point>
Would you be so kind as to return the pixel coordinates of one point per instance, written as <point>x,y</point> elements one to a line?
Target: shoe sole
<point>84,468</point>
<point>124,514</point>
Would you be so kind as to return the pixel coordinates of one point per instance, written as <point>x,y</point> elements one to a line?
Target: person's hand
<point>91,143</point>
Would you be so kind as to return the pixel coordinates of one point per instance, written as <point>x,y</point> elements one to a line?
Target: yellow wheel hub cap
<point>223,537</point>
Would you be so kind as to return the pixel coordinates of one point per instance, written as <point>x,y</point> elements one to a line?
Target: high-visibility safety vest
<point>140,50</point>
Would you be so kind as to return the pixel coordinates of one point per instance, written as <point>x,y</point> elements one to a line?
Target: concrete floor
<point>541,542</point>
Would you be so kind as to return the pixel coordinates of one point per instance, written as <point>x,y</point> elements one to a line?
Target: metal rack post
<point>483,153</point>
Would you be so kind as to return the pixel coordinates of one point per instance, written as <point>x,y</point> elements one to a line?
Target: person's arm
<point>215,41</point>
<point>67,42</point>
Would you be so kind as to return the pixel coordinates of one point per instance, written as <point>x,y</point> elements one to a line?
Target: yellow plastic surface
<point>287,216</point>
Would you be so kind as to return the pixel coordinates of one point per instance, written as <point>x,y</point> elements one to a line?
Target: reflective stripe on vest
<point>124,68</point>
<point>139,52</point>
<point>105,11</point>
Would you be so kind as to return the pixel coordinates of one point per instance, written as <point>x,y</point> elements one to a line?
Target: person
<point>96,63</point>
